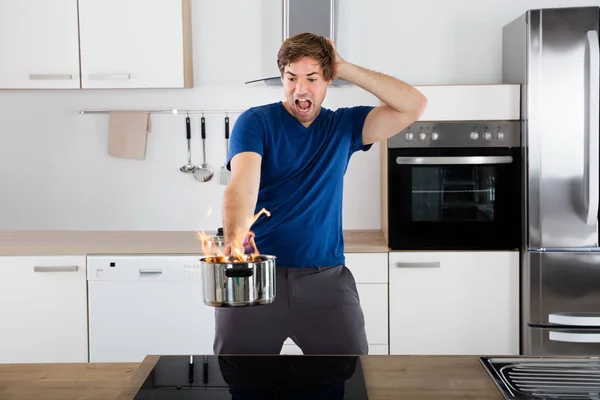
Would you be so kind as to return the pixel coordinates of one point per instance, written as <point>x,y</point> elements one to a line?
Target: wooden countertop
<point>387,378</point>
<point>142,242</point>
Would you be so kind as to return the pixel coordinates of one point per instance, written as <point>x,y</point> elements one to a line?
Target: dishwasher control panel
<point>144,267</point>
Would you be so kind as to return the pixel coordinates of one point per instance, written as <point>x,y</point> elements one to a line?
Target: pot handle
<point>238,272</point>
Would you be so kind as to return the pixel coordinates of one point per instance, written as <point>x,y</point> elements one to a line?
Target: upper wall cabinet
<point>39,47</point>
<point>135,43</point>
<point>92,44</point>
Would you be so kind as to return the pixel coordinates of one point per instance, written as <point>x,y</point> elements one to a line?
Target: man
<point>290,158</point>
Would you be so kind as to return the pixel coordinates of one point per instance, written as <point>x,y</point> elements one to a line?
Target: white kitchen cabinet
<point>471,102</point>
<point>454,303</point>
<point>43,309</point>
<point>370,271</point>
<point>39,47</point>
<point>135,43</point>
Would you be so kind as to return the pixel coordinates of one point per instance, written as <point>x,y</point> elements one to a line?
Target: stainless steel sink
<point>520,378</point>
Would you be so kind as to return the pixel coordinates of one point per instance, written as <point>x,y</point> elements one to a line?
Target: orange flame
<point>258,214</point>
<point>240,252</point>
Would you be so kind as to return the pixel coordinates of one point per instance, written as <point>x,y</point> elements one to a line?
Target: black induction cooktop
<point>250,377</point>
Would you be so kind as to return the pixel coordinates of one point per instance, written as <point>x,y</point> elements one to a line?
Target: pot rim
<point>262,258</point>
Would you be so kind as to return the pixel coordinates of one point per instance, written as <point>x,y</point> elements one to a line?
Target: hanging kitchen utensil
<point>225,173</point>
<point>205,172</point>
<point>189,167</point>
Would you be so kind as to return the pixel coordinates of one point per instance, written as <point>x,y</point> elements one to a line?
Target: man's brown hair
<point>309,45</point>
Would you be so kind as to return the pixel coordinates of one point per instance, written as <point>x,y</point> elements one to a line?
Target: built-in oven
<point>454,185</point>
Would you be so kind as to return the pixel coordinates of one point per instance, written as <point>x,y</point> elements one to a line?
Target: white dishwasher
<point>147,304</point>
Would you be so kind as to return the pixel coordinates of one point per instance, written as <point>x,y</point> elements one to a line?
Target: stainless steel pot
<point>238,284</point>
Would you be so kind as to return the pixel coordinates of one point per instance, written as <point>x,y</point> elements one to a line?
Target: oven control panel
<point>459,134</point>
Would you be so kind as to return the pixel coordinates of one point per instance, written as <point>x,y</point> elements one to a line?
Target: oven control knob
<point>474,135</point>
<point>434,136</point>
<point>422,136</point>
<point>487,136</point>
<point>500,136</point>
<point>409,136</point>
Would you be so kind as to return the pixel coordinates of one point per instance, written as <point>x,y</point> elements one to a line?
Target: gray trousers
<point>318,308</point>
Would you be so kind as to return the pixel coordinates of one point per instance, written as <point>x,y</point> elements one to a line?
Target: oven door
<point>454,198</point>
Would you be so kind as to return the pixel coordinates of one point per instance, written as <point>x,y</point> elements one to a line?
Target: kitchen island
<point>387,377</point>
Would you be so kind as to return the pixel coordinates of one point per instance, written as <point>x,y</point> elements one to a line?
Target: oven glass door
<point>454,198</point>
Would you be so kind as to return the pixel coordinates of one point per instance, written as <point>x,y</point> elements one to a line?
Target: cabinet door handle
<point>109,77</point>
<point>57,268</point>
<point>50,77</point>
<point>144,271</point>
<point>432,264</point>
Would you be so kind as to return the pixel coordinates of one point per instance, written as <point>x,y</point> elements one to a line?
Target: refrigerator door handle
<point>592,116</point>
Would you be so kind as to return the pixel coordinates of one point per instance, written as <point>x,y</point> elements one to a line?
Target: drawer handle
<point>433,264</point>
<point>50,77</point>
<point>577,319</point>
<point>574,337</point>
<point>109,77</point>
<point>65,268</point>
<point>148,271</point>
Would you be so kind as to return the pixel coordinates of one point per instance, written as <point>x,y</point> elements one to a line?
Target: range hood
<point>315,16</point>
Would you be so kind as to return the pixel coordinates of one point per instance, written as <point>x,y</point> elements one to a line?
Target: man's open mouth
<point>303,105</point>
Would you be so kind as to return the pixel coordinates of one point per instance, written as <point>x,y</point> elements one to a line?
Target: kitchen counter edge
<point>87,242</point>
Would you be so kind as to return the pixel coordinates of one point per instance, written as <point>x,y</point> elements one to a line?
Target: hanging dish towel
<point>128,134</point>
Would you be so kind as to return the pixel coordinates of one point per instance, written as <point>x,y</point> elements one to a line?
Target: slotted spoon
<point>204,173</point>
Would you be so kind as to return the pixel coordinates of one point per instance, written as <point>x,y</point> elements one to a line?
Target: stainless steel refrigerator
<point>554,54</point>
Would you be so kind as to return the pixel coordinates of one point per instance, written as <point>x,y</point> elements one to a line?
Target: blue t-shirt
<point>301,180</point>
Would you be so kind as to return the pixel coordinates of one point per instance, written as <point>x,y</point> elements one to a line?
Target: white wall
<point>55,171</point>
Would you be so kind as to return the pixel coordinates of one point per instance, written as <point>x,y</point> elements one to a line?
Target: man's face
<point>304,89</point>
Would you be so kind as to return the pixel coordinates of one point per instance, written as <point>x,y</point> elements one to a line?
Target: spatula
<point>225,174</point>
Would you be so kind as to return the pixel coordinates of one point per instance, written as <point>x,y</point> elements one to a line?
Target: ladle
<point>189,167</point>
